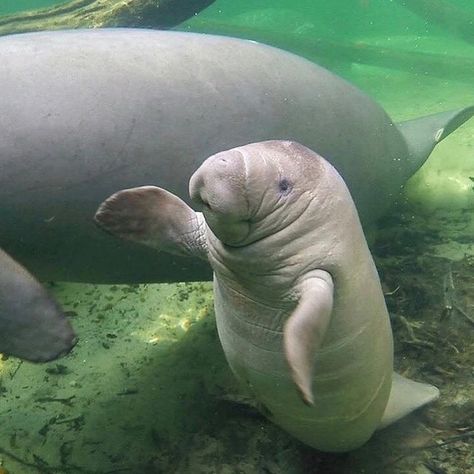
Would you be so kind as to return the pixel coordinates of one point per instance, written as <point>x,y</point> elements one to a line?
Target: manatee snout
<point>218,188</point>
<point>212,184</point>
<point>197,190</point>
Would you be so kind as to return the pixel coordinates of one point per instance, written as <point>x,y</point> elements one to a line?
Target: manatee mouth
<point>230,233</point>
<point>201,203</point>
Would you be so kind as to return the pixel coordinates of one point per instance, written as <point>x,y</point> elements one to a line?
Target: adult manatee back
<point>84,113</point>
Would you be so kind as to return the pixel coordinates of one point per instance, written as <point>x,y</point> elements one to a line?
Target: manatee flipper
<point>305,328</point>
<point>423,134</point>
<point>156,218</point>
<point>406,396</point>
<point>32,325</point>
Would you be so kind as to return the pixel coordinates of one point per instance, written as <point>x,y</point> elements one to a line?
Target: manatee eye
<point>284,186</point>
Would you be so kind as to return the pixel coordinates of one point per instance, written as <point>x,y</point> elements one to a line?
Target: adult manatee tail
<point>424,133</point>
<point>32,325</point>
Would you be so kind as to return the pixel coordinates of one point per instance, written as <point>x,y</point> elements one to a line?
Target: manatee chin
<point>228,228</point>
<point>233,234</point>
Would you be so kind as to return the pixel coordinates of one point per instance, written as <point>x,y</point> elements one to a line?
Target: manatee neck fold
<point>271,267</point>
<point>251,270</point>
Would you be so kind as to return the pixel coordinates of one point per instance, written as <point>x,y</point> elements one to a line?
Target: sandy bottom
<point>147,388</point>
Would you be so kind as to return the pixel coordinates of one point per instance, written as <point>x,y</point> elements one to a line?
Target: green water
<point>145,390</point>
<point>345,18</point>
<point>13,6</point>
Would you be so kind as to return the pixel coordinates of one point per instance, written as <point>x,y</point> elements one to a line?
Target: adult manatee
<point>299,306</point>
<point>84,113</point>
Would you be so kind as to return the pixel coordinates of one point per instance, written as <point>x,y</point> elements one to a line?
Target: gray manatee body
<point>32,325</point>
<point>84,113</point>
<point>299,306</point>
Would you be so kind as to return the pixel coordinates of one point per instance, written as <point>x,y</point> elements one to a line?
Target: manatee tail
<point>406,396</point>
<point>423,134</point>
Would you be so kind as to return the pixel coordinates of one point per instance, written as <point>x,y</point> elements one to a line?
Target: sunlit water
<point>143,390</point>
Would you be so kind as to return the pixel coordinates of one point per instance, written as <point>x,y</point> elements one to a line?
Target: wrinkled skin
<point>299,307</point>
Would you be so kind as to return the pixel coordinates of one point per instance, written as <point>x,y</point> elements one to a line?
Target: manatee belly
<point>351,383</point>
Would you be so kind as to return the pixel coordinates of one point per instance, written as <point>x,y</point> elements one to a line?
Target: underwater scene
<point>336,212</point>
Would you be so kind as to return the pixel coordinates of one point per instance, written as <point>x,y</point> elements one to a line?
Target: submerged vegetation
<point>103,13</point>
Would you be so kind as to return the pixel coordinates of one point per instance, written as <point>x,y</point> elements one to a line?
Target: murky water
<point>147,388</point>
